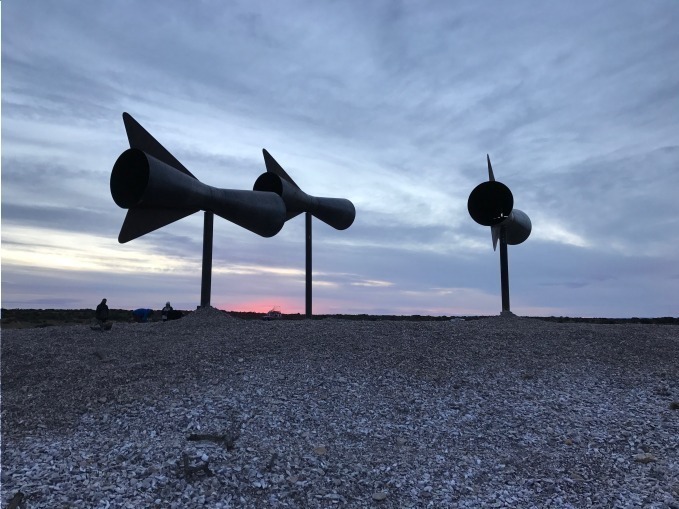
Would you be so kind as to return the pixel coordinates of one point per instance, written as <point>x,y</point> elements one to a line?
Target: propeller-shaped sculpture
<point>492,204</point>
<point>336,212</point>
<point>158,190</point>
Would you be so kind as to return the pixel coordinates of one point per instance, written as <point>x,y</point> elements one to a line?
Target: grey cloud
<point>618,198</point>
<point>573,102</point>
<point>75,219</point>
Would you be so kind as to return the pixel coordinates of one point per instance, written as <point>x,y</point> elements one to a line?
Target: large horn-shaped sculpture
<point>491,204</point>
<point>336,212</point>
<point>158,190</point>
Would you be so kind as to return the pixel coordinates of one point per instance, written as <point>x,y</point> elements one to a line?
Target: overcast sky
<point>392,105</point>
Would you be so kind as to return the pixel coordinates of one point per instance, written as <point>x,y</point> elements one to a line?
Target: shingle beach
<point>215,411</point>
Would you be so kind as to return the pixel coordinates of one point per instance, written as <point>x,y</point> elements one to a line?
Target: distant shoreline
<point>38,318</point>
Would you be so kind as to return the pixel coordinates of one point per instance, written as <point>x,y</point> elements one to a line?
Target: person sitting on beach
<point>101,314</point>
<point>100,321</point>
<point>167,311</point>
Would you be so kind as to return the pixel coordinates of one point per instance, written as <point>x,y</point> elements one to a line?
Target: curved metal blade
<point>273,167</point>
<point>495,233</point>
<point>490,169</point>
<point>140,138</point>
<point>140,221</point>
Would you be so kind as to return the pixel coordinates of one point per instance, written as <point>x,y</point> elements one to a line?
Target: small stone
<point>293,479</point>
<point>400,441</point>
<point>645,457</point>
<point>380,495</point>
<point>320,450</point>
<point>568,441</point>
<point>204,457</point>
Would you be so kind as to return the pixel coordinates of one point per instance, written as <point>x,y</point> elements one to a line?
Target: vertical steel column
<point>504,271</point>
<point>308,264</point>
<point>206,281</point>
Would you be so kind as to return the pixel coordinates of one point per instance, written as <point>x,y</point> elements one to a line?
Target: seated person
<point>101,314</point>
<point>167,311</point>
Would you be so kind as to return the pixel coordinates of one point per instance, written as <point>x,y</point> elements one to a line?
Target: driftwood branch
<point>228,439</point>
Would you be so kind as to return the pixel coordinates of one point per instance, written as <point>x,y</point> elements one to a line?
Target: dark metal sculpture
<point>158,190</point>
<point>336,212</point>
<point>492,204</point>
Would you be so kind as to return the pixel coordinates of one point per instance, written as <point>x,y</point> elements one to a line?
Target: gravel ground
<point>498,412</point>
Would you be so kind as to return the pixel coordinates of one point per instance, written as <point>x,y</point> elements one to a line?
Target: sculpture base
<point>507,314</point>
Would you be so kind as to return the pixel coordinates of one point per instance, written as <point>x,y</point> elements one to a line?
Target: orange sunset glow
<point>284,305</point>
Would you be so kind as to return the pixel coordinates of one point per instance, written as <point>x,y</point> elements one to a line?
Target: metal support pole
<point>504,272</point>
<point>308,264</point>
<point>206,281</point>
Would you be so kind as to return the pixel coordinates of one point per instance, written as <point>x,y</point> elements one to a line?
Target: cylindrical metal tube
<point>140,180</point>
<point>307,222</point>
<point>336,212</point>
<point>504,270</point>
<point>206,280</point>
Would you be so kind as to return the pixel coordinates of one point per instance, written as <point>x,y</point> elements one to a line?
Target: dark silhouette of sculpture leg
<point>308,264</point>
<point>206,279</point>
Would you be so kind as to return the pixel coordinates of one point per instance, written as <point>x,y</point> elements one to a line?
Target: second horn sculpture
<point>336,212</point>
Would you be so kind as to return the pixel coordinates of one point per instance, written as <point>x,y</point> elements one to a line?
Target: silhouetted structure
<point>492,204</point>
<point>336,212</point>
<point>158,190</point>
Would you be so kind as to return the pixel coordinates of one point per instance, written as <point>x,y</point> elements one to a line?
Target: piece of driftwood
<point>191,470</point>
<point>228,439</point>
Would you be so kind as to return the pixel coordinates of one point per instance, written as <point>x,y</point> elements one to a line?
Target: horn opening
<point>269,182</point>
<point>129,178</point>
<point>490,203</point>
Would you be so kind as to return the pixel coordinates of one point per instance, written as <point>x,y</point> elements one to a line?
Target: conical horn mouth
<point>269,182</point>
<point>129,178</point>
<point>490,203</point>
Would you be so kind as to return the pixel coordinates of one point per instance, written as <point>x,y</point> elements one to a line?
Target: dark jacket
<point>102,312</point>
